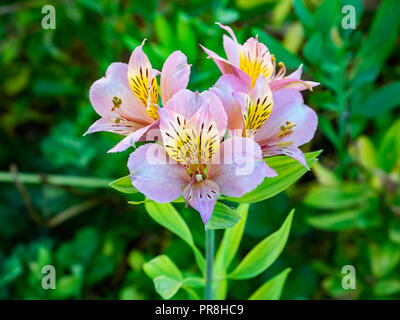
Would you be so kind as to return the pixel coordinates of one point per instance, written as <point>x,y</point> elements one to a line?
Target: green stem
<point>209,263</point>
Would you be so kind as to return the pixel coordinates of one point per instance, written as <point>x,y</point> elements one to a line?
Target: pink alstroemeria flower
<point>127,97</point>
<point>252,59</point>
<point>278,121</point>
<point>192,162</point>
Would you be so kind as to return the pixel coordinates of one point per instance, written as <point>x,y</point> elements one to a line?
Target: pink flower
<point>252,59</point>
<point>193,161</point>
<point>278,121</point>
<point>127,98</point>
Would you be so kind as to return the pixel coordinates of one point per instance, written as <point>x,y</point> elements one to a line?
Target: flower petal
<point>258,106</point>
<point>142,79</point>
<point>187,103</point>
<point>227,88</point>
<point>239,167</point>
<point>291,151</point>
<point>255,60</point>
<point>153,174</point>
<point>293,81</point>
<point>112,96</point>
<point>202,196</point>
<point>227,67</point>
<point>110,124</point>
<point>174,75</point>
<point>134,137</point>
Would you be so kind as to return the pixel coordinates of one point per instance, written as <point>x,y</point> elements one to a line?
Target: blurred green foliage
<point>348,212</point>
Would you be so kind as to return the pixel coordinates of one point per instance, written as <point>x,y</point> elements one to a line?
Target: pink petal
<point>187,103</point>
<point>115,84</point>
<point>227,67</point>
<point>174,75</point>
<point>202,196</point>
<point>290,83</point>
<point>109,124</point>
<point>154,175</point>
<point>141,77</point>
<point>134,137</point>
<point>232,50</point>
<point>288,106</point>
<point>239,167</point>
<point>292,151</point>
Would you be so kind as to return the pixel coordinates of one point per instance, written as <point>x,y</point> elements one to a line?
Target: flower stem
<point>209,264</point>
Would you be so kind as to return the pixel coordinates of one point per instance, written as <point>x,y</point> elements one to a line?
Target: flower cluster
<point>207,143</point>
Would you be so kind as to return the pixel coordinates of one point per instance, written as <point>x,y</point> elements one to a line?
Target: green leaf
<point>162,266</point>
<point>272,289</point>
<point>389,150</point>
<point>166,215</point>
<point>326,15</point>
<point>337,197</point>
<point>360,218</point>
<point>288,170</point>
<point>124,185</point>
<point>384,258</point>
<point>227,251</point>
<point>231,241</point>
<point>303,14</point>
<point>381,39</point>
<point>166,287</point>
<point>223,217</point>
<point>381,101</point>
<point>186,36</point>
<point>164,32</point>
<point>264,253</point>
<point>313,48</point>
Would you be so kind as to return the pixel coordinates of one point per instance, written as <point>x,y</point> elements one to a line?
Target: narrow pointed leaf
<point>223,217</point>
<point>264,253</point>
<point>166,215</point>
<point>162,265</point>
<point>166,287</point>
<point>288,170</point>
<point>272,289</point>
<point>124,185</point>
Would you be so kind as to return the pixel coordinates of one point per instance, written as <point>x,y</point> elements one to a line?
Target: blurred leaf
<point>380,101</point>
<point>312,50</point>
<point>264,253</point>
<point>383,258</point>
<point>166,215</point>
<point>381,39</point>
<point>364,151</point>
<point>360,218</point>
<point>293,37</point>
<point>164,32</point>
<point>166,287</point>
<point>124,185</point>
<point>281,11</point>
<point>288,170</point>
<point>303,14</point>
<point>162,265</point>
<point>387,287</point>
<point>186,36</point>
<point>327,15</point>
<point>223,217</point>
<point>272,289</point>
<point>389,150</point>
<point>337,197</point>
<point>324,175</point>
<point>246,4</point>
